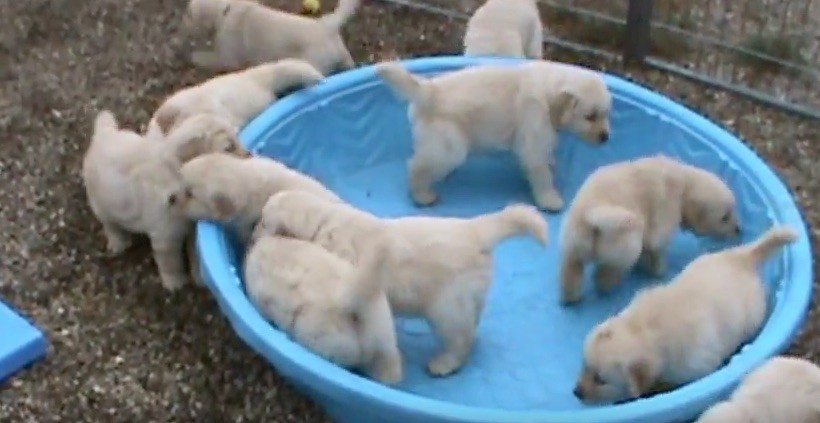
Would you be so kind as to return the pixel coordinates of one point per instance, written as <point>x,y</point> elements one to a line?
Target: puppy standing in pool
<point>337,310</point>
<point>628,212</point>
<point>130,183</point>
<point>782,390</point>
<point>246,33</point>
<point>232,190</point>
<point>236,97</point>
<point>672,334</point>
<point>440,268</point>
<point>519,108</point>
<point>509,28</point>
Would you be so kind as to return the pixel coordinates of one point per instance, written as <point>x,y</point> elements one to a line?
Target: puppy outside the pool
<point>782,390</point>
<point>518,108</point>
<point>236,97</point>
<point>129,182</point>
<point>510,28</point>
<point>247,33</point>
<point>233,191</point>
<point>336,309</point>
<point>673,334</point>
<point>627,212</point>
<point>443,270</point>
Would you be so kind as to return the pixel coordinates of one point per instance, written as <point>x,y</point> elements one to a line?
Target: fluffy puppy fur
<point>505,28</point>
<point>205,133</point>
<point>128,181</point>
<point>221,187</point>
<point>628,211</point>
<point>782,390</point>
<point>337,310</point>
<point>444,269</point>
<point>236,97</point>
<point>673,334</point>
<point>246,33</point>
<point>519,108</point>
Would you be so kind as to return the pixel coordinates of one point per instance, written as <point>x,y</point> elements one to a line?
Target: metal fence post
<point>637,31</point>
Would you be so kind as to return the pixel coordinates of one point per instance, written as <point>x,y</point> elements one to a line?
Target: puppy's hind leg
<point>533,147</point>
<point>653,262</point>
<point>170,260</point>
<point>607,276</point>
<point>439,148</point>
<point>117,238</point>
<point>572,274</point>
<point>454,319</point>
<point>209,60</point>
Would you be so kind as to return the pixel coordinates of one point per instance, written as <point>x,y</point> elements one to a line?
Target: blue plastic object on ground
<point>21,343</point>
<point>352,133</point>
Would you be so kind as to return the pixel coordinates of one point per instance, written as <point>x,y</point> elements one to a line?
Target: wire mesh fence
<point>768,50</point>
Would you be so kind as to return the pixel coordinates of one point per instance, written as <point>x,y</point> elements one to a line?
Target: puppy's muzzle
<point>578,392</point>
<point>603,137</point>
<point>738,230</point>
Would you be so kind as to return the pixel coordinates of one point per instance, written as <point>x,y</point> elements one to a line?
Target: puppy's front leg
<point>117,238</point>
<point>455,326</point>
<point>572,274</point>
<point>607,276</point>
<point>539,175</point>
<point>653,261</point>
<point>170,260</point>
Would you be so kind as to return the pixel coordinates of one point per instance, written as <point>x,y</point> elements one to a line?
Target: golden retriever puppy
<point>335,309</point>
<point>444,269</point>
<point>205,133</point>
<point>233,191</point>
<point>236,97</point>
<point>782,390</point>
<point>509,28</point>
<point>130,183</point>
<point>672,334</point>
<point>628,212</point>
<point>519,108</point>
<point>246,33</point>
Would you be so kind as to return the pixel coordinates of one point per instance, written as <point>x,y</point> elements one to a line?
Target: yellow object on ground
<point>311,7</point>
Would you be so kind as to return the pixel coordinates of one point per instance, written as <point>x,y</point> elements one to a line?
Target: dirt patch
<point>121,347</point>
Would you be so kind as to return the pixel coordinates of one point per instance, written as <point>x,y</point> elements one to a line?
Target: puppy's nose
<point>738,231</point>
<point>603,137</point>
<point>578,392</point>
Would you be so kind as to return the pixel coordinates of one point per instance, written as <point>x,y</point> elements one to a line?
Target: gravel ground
<point>121,347</point>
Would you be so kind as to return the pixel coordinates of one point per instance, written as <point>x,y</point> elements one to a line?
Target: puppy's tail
<point>609,218</point>
<point>405,84</point>
<point>286,74</point>
<point>766,244</point>
<point>345,10</point>
<point>105,121</point>
<point>366,282</point>
<point>514,219</point>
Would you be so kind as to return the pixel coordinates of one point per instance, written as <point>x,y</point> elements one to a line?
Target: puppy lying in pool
<point>335,309</point>
<point>221,187</point>
<point>237,96</point>
<point>782,390</point>
<point>509,28</point>
<point>246,33</point>
<point>628,212</point>
<point>130,183</point>
<point>519,108</point>
<point>676,333</point>
<point>442,273</point>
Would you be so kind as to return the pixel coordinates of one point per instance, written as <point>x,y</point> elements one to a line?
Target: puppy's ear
<point>189,149</point>
<point>562,107</point>
<point>639,378</point>
<point>223,206</point>
<point>166,117</point>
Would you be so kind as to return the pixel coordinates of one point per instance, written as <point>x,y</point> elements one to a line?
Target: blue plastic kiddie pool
<point>353,134</point>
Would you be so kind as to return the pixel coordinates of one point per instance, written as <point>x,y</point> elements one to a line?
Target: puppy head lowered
<point>211,187</point>
<point>202,16</point>
<point>205,133</point>
<point>618,363</point>
<point>582,105</point>
<point>709,205</point>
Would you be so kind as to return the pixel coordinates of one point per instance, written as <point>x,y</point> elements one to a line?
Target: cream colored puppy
<point>676,333</point>
<point>505,28</point>
<point>628,212</point>
<point>246,33</point>
<point>335,309</point>
<point>444,268</point>
<point>130,182</point>
<point>203,133</point>
<point>233,191</point>
<point>782,390</point>
<point>519,108</point>
<point>236,97</point>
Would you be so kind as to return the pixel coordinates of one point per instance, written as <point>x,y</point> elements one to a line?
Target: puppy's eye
<point>726,217</point>
<point>591,116</point>
<point>597,379</point>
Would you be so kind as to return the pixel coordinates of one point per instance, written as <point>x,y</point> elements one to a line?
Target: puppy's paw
<point>205,59</point>
<point>117,245</point>
<point>388,373</point>
<point>549,201</point>
<point>569,298</point>
<point>425,198</point>
<point>173,282</point>
<point>443,365</point>
<point>606,277</point>
<point>653,263</point>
